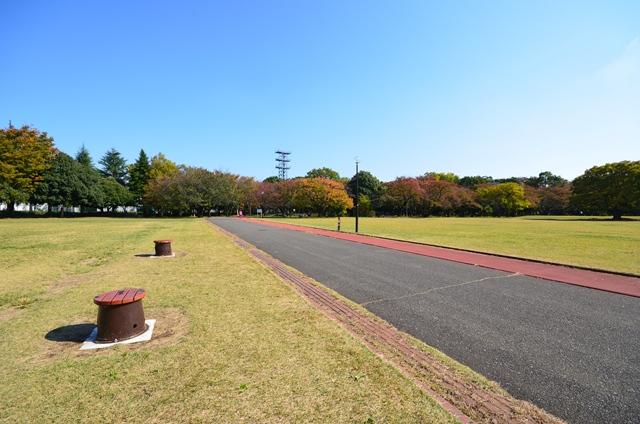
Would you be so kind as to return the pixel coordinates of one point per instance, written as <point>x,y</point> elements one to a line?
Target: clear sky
<point>480,87</point>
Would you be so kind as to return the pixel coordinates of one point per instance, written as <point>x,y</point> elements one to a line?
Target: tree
<point>248,192</point>
<point>613,188</point>
<point>368,185</point>
<point>90,178</point>
<point>503,199</point>
<point>114,165</point>
<point>61,184</point>
<point>162,167</point>
<point>225,195</point>
<point>443,176</point>
<point>546,179</point>
<point>272,179</point>
<point>555,200</point>
<point>402,194</point>
<point>84,158</point>
<point>139,176</point>
<point>473,182</point>
<point>323,173</point>
<point>517,180</point>
<point>194,191</point>
<point>321,195</point>
<point>114,194</point>
<point>443,197</point>
<point>365,207</point>
<point>69,183</point>
<point>25,155</point>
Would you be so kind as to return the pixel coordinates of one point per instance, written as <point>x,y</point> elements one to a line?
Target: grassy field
<point>584,241</point>
<point>232,342</point>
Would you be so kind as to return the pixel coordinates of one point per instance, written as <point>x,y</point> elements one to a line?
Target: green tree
<point>248,193</point>
<point>503,199</point>
<point>114,194</point>
<point>272,179</point>
<point>25,155</point>
<point>443,176</point>
<point>90,177</point>
<point>474,181</point>
<point>162,167</point>
<point>365,207</point>
<point>114,165</point>
<point>84,157</point>
<point>63,184</point>
<point>323,173</point>
<point>139,176</point>
<point>613,188</point>
<point>545,180</point>
<point>368,185</point>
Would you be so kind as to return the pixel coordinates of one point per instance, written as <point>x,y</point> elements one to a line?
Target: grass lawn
<point>232,343</point>
<point>584,241</point>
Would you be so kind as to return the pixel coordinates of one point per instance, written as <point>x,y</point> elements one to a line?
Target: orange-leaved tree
<point>25,155</point>
<point>321,195</point>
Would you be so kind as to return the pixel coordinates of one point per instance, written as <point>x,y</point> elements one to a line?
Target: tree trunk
<point>617,215</point>
<point>11,207</point>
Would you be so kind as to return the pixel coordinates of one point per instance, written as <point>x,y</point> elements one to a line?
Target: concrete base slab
<point>90,342</point>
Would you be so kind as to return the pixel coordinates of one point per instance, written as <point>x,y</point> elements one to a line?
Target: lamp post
<point>357,195</point>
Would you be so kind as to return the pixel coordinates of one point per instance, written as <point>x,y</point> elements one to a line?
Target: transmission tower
<point>282,163</point>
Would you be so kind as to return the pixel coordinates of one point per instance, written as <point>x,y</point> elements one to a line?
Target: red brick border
<point>466,400</point>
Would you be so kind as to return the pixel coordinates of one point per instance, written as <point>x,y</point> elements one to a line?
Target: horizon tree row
<point>34,171</point>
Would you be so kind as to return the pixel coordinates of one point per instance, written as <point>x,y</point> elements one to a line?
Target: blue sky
<point>480,87</point>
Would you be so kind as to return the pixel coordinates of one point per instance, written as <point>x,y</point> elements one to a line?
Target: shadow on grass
<point>144,255</point>
<point>76,333</point>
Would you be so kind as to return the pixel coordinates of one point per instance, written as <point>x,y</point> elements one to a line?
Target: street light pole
<point>357,195</point>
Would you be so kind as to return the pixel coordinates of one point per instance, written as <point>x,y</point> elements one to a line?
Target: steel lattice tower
<point>282,163</point>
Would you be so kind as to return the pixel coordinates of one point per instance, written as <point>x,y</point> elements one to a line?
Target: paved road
<point>573,351</point>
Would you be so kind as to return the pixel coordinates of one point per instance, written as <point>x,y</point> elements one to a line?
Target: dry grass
<point>248,348</point>
<point>594,242</point>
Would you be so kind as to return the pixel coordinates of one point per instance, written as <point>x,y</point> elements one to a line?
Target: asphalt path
<point>571,350</point>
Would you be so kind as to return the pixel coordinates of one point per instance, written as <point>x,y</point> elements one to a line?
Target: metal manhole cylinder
<point>163,247</point>
<point>120,315</point>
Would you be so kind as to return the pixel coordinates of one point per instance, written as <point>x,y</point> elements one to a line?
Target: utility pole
<point>357,195</point>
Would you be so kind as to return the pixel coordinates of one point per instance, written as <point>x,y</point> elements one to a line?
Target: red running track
<point>610,282</point>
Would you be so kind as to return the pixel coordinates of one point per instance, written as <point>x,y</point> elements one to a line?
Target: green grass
<point>246,347</point>
<point>584,241</point>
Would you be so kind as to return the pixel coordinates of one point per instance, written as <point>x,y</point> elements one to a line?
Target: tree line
<point>34,171</point>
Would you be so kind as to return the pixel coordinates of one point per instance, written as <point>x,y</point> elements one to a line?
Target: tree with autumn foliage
<point>402,195</point>
<point>321,195</point>
<point>25,155</point>
<point>444,197</point>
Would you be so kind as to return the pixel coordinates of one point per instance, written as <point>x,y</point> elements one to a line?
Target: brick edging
<point>465,400</point>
